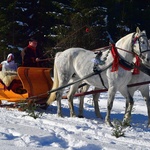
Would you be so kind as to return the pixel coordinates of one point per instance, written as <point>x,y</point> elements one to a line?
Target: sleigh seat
<point>30,82</point>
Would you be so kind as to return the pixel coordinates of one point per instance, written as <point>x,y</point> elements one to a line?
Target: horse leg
<point>58,98</point>
<point>81,100</point>
<point>148,110</point>
<point>96,105</point>
<point>95,99</point>
<point>70,97</point>
<point>146,96</point>
<point>111,96</point>
<point>63,80</point>
<point>129,106</point>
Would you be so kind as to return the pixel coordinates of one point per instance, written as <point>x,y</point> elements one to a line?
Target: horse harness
<point>121,62</point>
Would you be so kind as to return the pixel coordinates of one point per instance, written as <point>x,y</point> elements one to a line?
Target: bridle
<point>137,38</point>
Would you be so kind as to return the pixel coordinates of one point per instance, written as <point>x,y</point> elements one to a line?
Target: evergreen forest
<point>61,24</point>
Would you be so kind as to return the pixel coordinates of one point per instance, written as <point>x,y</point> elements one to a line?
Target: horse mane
<point>124,40</point>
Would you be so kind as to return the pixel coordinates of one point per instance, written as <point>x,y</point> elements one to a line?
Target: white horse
<point>144,89</point>
<point>79,62</point>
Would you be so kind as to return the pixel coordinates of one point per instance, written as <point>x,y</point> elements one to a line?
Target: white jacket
<point>9,66</point>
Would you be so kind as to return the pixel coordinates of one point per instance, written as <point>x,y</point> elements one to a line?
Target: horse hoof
<point>126,123</point>
<point>80,116</point>
<point>43,106</point>
<point>73,115</point>
<point>60,115</point>
<point>108,123</point>
<point>100,117</point>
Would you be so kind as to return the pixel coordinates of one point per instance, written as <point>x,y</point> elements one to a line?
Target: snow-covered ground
<point>49,132</point>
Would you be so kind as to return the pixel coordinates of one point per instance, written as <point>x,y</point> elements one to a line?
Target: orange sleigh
<point>35,83</point>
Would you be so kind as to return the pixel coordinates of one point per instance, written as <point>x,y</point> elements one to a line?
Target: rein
<point>136,66</point>
<point>138,56</point>
<point>102,48</point>
<point>124,50</point>
<point>85,77</point>
<point>120,61</point>
<point>97,72</point>
<point>54,90</point>
<point>46,59</point>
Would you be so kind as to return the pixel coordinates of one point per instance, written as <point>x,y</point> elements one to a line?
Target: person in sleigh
<point>9,77</point>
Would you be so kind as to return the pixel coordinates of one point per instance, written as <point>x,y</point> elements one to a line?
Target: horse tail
<point>52,96</point>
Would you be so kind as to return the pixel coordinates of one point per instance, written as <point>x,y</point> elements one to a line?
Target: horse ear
<point>138,30</point>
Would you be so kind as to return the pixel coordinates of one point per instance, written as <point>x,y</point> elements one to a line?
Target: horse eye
<point>142,42</point>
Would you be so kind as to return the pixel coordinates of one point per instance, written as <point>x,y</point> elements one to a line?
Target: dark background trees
<point>59,24</point>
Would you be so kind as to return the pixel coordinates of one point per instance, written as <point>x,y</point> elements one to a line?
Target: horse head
<point>141,47</point>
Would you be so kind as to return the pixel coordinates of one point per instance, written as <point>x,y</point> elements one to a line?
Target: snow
<point>49,132</point>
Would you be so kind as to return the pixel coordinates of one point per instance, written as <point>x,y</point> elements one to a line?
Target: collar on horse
<point>119,61</point>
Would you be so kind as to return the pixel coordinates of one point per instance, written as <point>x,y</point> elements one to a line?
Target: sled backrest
<point>36,81</point>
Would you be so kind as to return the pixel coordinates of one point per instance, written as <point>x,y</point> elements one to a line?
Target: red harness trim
<point>137,63</point>
<point>116,63</point>
<point>115,55</point>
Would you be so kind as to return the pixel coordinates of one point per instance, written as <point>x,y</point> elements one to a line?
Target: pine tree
<point>63,24</point>
<point>6,26</point>
<point>81,24</point>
